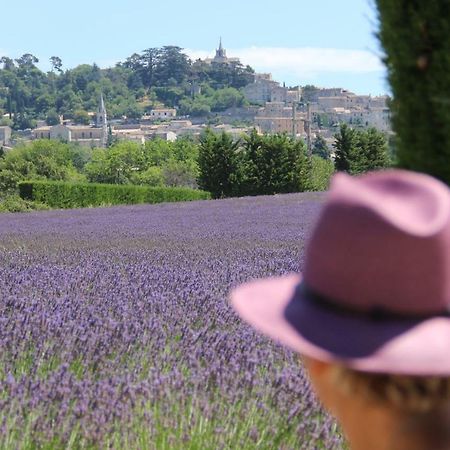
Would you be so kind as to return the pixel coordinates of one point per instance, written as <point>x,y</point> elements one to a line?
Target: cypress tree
<point>358,151</point>
<point>415,35</point>
<point>344,144</point>
<point>376,150</point>
<point>320,147</point>
<point>218,164</point>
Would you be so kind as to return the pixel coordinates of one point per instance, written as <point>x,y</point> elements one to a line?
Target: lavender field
<point>115,329</point>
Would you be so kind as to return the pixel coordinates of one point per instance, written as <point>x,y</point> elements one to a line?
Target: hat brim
<point>278,309</point>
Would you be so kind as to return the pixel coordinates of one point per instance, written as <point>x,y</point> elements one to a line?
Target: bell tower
<point>102,120</point>
<point>221,54</point>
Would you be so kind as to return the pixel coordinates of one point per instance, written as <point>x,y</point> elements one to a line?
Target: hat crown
<point>383,242</point>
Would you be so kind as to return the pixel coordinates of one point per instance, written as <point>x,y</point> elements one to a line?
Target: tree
<point>416,39</point>
<point>250,181</point>
<point>172,64</point>
<point>320,147</point>
<point>218,164</point>
<point>376,150</point>
<point>117,164</point>
<point>240,75</point>
<point>81,116</point>
<point>42,159</point>
<point>359,151</point>
<point>345,145</point>
<point>27,61</point>
<point>23,121</point>
<point>177,161</point>
<point>8,63</point>
<point>272,164</point>
<point>152,176</point>
<point>321,173</point>
<point>171,96</point>
<point>149,61</point>
<point>52,117</point>
<point>180,173</point>
<point>56,63</point>
<point>226,98</point>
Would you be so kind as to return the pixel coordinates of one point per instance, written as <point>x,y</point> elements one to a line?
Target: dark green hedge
<point>59,194</point>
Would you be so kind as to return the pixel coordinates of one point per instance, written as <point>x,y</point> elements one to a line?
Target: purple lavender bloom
<point>115,329</point>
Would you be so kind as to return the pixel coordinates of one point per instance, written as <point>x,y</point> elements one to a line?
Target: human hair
<point>415,394</point>
<point>421,403</point>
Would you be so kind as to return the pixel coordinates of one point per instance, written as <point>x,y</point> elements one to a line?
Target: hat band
<point>376,313</point>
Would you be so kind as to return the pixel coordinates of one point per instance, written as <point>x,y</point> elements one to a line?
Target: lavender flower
<point>115,329</point>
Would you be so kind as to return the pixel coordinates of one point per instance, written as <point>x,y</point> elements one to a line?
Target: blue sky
<point>329,43</point>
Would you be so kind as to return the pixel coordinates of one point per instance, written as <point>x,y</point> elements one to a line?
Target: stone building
<point>264,89</point>
<point>276,117</point>
<point>161,113</point>
<point>379,118</point>
<point>283,94</point>
<point>314,95</point>
<point>379,102</point>
<point>260,91</point>
<point>85,135</point>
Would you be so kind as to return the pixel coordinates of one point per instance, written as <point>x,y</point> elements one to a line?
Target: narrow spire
<point>220,52</point>
<point>102,103</point>
<point>102,120</point>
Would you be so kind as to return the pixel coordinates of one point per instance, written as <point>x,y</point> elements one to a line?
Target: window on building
<point>90,134</point>
<point>82,135</point>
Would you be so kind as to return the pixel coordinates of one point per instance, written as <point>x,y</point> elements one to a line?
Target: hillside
<point>144,80</point>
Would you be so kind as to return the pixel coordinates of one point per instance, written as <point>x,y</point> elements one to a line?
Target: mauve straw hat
<point>375,292</point>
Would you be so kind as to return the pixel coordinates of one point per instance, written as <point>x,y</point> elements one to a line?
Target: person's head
<point>371,310</point>
<point>385,411</point>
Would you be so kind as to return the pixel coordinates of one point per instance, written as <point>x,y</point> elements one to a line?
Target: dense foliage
<point>252,165</point>
<point>218,164</point>
<point>42,160</point>
<point>225,167</point>
<point>358,151</point>
<point>157,163</point>
<point>320,147</point>
<point>416,38</point>
<point>59,194</point>
<point>154,77</point>
<point>14,203</point>
<point>320,172</point>
<point>269,164</point>
<point>116,330</point>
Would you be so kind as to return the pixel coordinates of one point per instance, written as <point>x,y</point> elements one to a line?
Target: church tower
<point>102,121</point>
<point>221,54</point>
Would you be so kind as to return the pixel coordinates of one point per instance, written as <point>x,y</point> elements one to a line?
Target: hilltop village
<point>269,107</point>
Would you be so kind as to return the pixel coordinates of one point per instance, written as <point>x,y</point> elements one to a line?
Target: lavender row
<point>115,329</point>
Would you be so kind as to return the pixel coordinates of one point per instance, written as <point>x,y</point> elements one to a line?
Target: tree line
<point>276,164</point>
<point>154,77</point>
<point>252,165</point>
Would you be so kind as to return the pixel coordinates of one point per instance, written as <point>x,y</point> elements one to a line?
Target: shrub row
<point>58,194</point>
